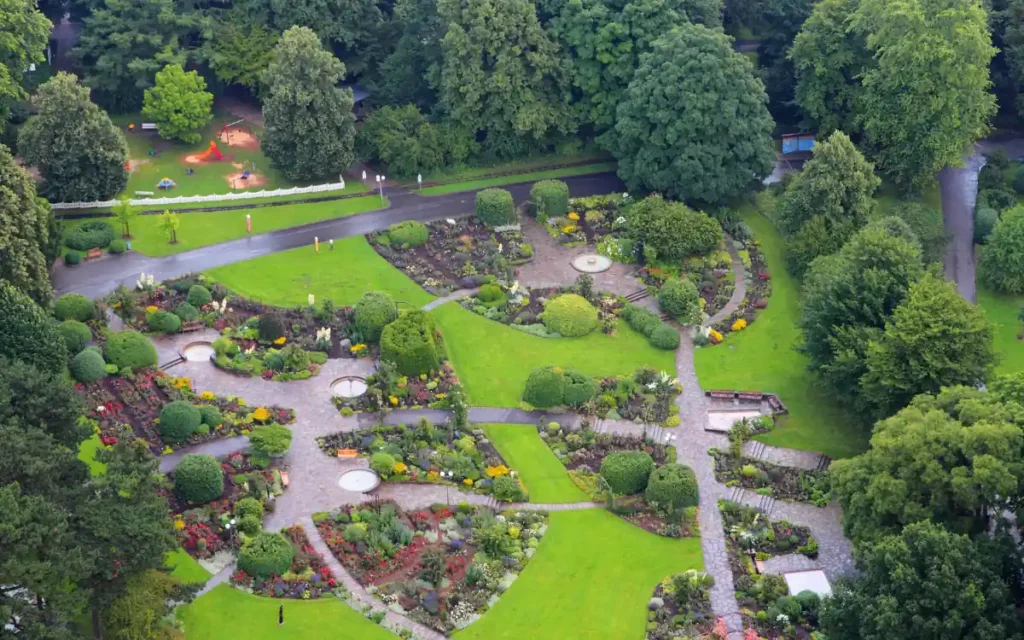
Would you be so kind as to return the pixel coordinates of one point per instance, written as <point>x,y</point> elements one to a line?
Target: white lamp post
<point>419,180</point>
<point>447,475</point>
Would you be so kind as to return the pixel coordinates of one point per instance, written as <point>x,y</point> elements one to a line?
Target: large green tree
<point>1002,260</point>
<point>179,104</point>
<point>837,186</point>
<point>778,22</point>
<point>36,399</point>
<point>79,152</point>
<point>1007,24</point>
<point>694,122</point>
<point>24,33</point>
<point>309,130</point>
<point>411,72</point>
<point>350,26</point>
<point>502,76</point>
<point>240,52</point>
<point>24,231</point>
<point>29,334</point>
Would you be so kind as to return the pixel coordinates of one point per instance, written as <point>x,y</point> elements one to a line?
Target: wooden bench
<point>190,327</point>
<point>145,193</point>
<point>347,453</point>
<point>95,252</point>
<point>750,395</point>
<point>149,126</point>
<point>721,395</point>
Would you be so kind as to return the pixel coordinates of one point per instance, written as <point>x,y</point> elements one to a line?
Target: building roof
<point>358,93</point>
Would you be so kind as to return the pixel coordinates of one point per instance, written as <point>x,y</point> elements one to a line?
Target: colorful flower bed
<point>681,607</point>
<point>138,400</point>
<point>521,308</point>
<point>442,567</point>
<point>386,389</point>
<point>309,577</point>
<point>588,221</point>
<point>426,453</point>
<point>764,599</point>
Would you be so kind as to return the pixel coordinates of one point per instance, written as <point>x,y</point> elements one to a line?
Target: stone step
<point>757,450</point>
<point>636,296</point>
<point>823,463</point>
<point>736,494</point>
<point>766,504</point>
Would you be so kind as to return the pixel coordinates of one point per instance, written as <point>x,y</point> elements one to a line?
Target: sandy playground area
<point>239,136</point>
<point>254,180</point>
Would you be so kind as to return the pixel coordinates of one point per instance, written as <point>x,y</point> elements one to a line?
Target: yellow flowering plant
<point>260,414</point>
<point>179,524</point>
<point>281,340</point>
<point>400,467</point>
<point>739,325</point>
<point>433,476</point>
<point>207,395</point>
<point>497,471</point>
<point>574,216</point>
<point>393,400</point>
<point>181,383</point>
<point>715,336</point>
<point>152,308</point>
<point>467,482</point>
<point>569,228</point>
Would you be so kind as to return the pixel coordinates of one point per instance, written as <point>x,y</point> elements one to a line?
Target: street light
<point>447,476</point>
<point>230,526</point>
<point>380,184</point>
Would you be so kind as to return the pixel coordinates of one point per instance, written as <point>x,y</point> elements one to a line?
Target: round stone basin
<point>359,480</point>
<point>591,263</point>
<point>198,351</point>
<point>348,387</point>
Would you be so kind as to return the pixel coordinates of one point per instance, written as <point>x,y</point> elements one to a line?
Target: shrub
<point>990,177</point>
<point>210,415</point>
<point>198,478</point>
<point>578,389</point>
<point>266,554</point>
<point>1018,179</point>
<point>672,229</point>
<point>186,312</point>
<point>72,257</point>
<point>274,362</point>
<point>372,313</point>
<point>117,246</point>
<point>679,298</point>
<point>383,464</point>
<point>495,207</point>
<point>985,220</point>
<point>411,343</point>
<point>627,471</point>
<point>270,441</point>
<point>665,337</point>
<point>1002,260</point>
<point>1000,198</point>
<point>90,235</point>
<point>249,507</point>
<point>75,334</point>
<point>130,349</point>
<point>163,322</point>
<point>570,315</point>
<point>74,306</point>
<point>179,420</point>
<point>545,387</point>
<point>271,327</point>
<point>408,233</point>
<point>28,333</point>
<point>490,293</point>
<point>549,199</point>
<point>673,486</point>
<point>643,321</point>
<point>88,366</point>
<point>198,295</point>
<point>506,489</point>
<point>998,159</point>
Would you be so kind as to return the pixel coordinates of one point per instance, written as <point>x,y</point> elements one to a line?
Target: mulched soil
<point>787,483</point>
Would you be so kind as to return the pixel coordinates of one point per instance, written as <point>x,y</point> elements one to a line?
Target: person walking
<point>280,616</point>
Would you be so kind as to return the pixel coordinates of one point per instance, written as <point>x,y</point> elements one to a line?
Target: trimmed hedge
<point>163,322</point>
<point>75,334</point>
<point>578,389</point>
<point>411,343</point>
<point>372,313</point>
<point>198,478</point>
<point>210,415</point>
<point>266,554</point>
<point>179,420</point>
<point>249,507</point>
<point>72,257</point>
<point>570,315</point>
<point>117,246</point>
<point>680,299</point>
<point>648,323</point>
<point>627,472</point>
<point>408,233</point>
<point>130,349</point>
<point>89,235</point>
<point>271,327</point>
<point>74,306</point>
<point>495,207</point>
<point>28,333</point>
<point>548,199</point>
<point>198,295</point>
<point>673,486</point>
<point>545,387</point>
<point>186,312</point>
<point>88,366</point>
<point>665,337</point>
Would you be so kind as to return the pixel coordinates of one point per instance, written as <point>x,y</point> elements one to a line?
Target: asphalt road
<point>959,189</point>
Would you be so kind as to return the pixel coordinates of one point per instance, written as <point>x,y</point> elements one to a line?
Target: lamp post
<point>447,477</point>
<point>419,180</point>
<point>380,185</point>
<point>230,526</point>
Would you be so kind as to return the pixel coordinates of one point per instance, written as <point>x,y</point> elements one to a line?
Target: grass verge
<point>470,185</point>
<point>87,454</point>
<point>185,568</point>
<point>544,476</point>
<point>1002,310</point>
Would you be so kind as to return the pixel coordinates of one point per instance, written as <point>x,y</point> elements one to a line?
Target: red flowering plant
<point>308,577</point>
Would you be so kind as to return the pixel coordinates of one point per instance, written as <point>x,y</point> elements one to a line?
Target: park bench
<point>721,395</point>
<point>750,395</point>
<point>144,193</point>
<point>95,252</point>
<point>347,453</point>
<point>192,326</point>
<point>149,126</point>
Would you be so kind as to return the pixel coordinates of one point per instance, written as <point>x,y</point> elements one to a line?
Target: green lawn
<point>203,229</point>
<point>343,276</point>
<point>87,454</point>
<point>493,361</point>
<point>544,476</point>
<point>591,578</point>
<point>185,568</point>
<point>226,612</point>
<point>469,185</point>
<point>1002,310</point>
<point>763,358</point>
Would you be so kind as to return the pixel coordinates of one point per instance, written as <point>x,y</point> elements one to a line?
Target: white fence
<point>221,197</point>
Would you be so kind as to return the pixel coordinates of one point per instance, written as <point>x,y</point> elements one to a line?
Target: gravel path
<point>740,290</point>
<point>959,188</point>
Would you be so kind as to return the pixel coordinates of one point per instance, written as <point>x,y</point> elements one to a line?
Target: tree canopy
<point>24,34</point>
<point>24,231</point>
<point>179,104</point>
<point>1002,260</point>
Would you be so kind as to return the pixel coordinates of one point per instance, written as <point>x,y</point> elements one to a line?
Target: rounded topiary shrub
<point>545,387</point>
<point>673,485</point>
<point>267,554</point>
<point>179,420</point>
<point>117,246</point>
<point>373,312</point>
<point>90,235</point>
<point>249,507</point>
<point>210,415</point>
<point>74,306</point>
<point>88,366</point>
<point>665,337</point>
<point>186,312</point>
<point>679,298</point>
<point>570,315</point>
<point>408,233</point>
<point>163,322</point>
<point>72,257</point>
<point>578,388</point>
<point>627,471</point>
<point>411,343</point>
<point>75,334</point>
<point>130,349</point>
<point>507,489</point>
<point>548,199</point>
<point>490,293</point>
<point>198,295</point>
<point>198,478</point>
<point>495,207</point>
<point>28,333</point>
<point>271,327</point>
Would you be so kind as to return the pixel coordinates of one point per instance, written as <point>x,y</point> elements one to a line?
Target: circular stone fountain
<point>591,263</point>
<point>359,480</point>
<point>349,387</point>
<point>198,351</point>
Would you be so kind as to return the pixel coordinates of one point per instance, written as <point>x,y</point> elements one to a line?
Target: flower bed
<point>589,220</point>
<point>764,600</point>
<point>309,577</point>
<point>427,453</point>
<point>442,567</point>
<point>459,253</point>
<point>681,607</point>
<point>386,389</point>
<point>521,308</point>
<point>766,478</point>
<point>759,289</point>
<point>239,353</point>
<point>137,401</point>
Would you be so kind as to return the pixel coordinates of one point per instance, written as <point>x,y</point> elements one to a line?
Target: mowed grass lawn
<point>493,360</point>
<point>203,229</point>
<point>343,276</point>
<point>544,476</point>
<point>763,358</point>
<point>1002,310</point>
<point>185,568</point>
<point>469,185</point>
<point>226,612</point>
<point>87,454</point>
<point>591,578</point>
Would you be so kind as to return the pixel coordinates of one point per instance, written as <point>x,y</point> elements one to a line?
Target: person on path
<point>280,616</point>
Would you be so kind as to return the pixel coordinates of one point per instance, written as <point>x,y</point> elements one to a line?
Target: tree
<point>31,398</point>
<point>24,34</point>
<point>179,103</point>
<point>671,230</point>
<point>778,22</point>
<point>411,73</point>
<point>1002,260</point>
<point>837,185</point>
<point>927,225</point>
<point>693,123</point>
<point>239,52</point>
<point>1007,24</point>
<point>934,339</point>
<point>28,334</point>
<point>24,231</point>
<point>169,223</point>
<point>404,141</point>
<point>125,42</point>
<point>309,125</point>
<point>501,76</point>
<point>125,213</point>
<point>143,611</point>
<point>77,149</point>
